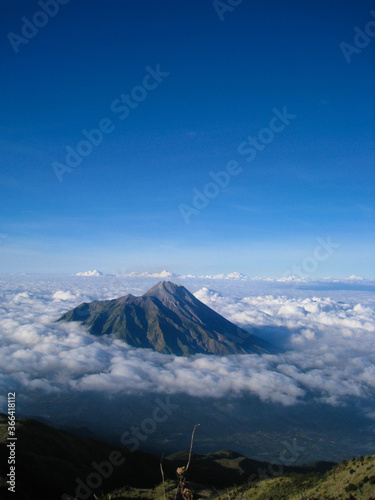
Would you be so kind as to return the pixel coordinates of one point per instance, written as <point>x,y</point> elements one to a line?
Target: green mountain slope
<point>168,319</point>
<point>353,479</point>
<point>350,480</point>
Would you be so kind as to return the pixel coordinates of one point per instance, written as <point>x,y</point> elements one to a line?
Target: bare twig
<point>181,473</point>
<point>162,475</point>
<point>176,492</point>
<point>191,445</point>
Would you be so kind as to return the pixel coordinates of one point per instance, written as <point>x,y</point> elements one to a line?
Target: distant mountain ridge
<point>168,319</point>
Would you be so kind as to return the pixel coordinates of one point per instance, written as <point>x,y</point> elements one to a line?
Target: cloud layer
<point>329,356</point>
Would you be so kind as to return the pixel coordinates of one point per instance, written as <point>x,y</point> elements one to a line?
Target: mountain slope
<point>50,460</point>
<point>226,467</point>
<point>350,480</point>
<point>168,319</point>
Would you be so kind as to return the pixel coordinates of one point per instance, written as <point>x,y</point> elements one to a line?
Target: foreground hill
<point>169,319</point>
<point>353,479</point>
<point>54,464</point>
<point>49,460</point>
<point>350,480</point>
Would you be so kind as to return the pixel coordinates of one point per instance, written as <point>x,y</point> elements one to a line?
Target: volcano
<point>168,319</point>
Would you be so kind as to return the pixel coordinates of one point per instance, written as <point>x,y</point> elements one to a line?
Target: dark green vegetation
<point>350,480</point>
<point>50,460</point>
<point>168,319</point>
<point>353,479</point>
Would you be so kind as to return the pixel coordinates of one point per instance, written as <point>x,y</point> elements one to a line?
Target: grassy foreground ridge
<point>54,464</point>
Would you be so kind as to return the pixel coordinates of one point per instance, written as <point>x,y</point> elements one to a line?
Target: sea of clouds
<point>325,335</point>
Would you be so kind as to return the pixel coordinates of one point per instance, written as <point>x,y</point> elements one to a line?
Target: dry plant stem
<point>162,475</point>
<point>178,487</point>
<point>181,485</point>
<point>182,488</point>
<point>191,445</point>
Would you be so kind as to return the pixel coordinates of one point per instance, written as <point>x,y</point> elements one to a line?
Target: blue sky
<point>118,210</point>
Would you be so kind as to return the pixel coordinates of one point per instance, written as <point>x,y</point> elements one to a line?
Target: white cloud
<point>292,278</point>
<point>330,352</point>
<point>234,275</point>
<point>90,273</point>
<point>61,295</point>
<point>169,274</point>
<point>147,274</point>
<point>327,319</point>
<point>163,274</point>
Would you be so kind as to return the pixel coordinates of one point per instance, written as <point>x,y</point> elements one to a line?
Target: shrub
<point>351,487</point>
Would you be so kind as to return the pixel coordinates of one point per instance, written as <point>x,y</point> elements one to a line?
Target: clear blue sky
<point>119,209</point>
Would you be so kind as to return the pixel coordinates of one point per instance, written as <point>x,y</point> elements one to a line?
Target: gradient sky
<point>118,210</point>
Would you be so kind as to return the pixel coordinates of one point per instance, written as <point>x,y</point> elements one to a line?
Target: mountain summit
<point>169,319</point>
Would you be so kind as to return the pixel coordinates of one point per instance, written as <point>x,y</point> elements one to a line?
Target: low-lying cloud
<point>329,355</point>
